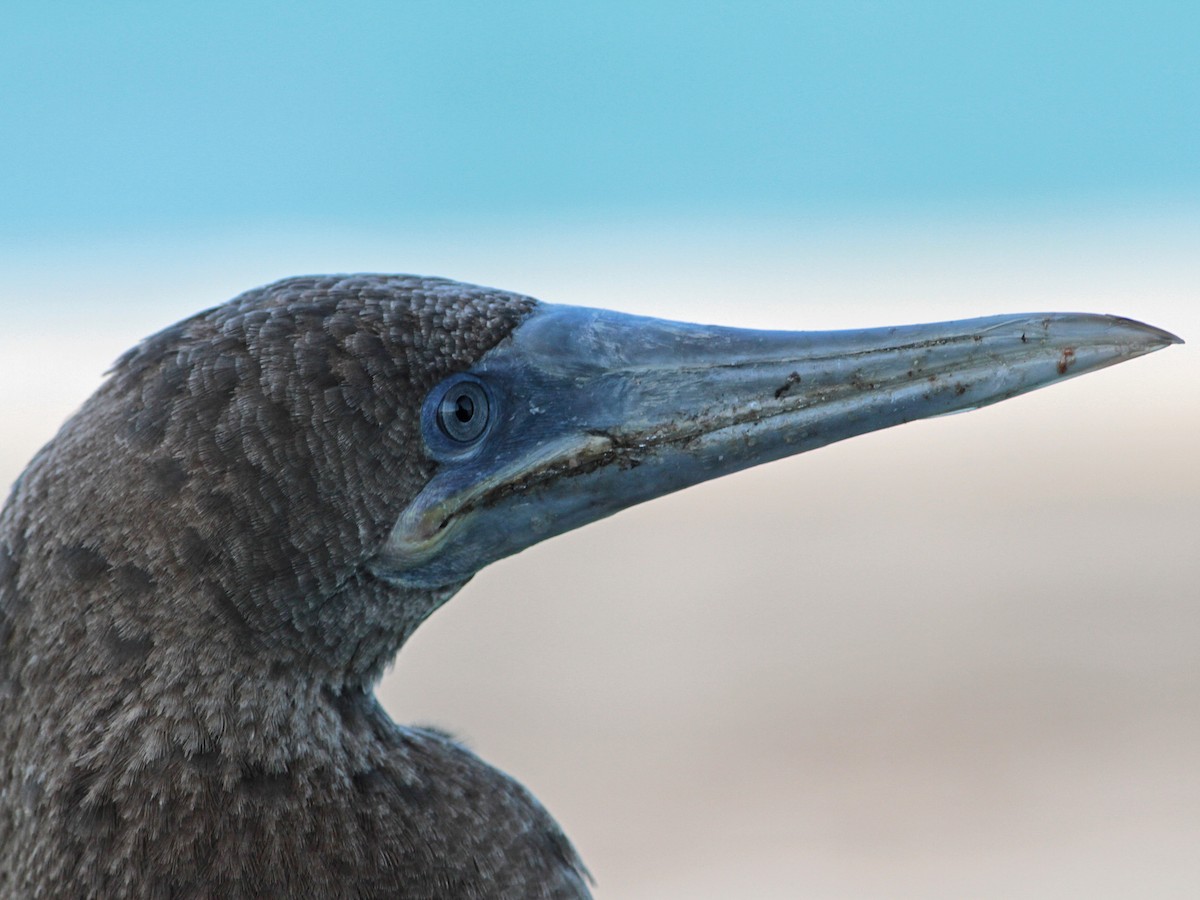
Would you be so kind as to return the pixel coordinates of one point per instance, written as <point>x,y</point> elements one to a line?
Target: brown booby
<point>204,573</point>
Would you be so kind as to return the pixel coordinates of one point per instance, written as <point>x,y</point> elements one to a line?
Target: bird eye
<point>463,412</point>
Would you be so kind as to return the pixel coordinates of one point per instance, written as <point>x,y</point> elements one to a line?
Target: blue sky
<point>143,117</point>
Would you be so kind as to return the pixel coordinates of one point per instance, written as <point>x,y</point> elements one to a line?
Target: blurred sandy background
<point>959,659</point>
<point>954,659</point>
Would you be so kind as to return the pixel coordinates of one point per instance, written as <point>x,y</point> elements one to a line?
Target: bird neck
<point>112,701</point>
<point>110,665</point>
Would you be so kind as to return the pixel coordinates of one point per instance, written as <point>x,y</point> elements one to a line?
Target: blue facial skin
<point>587,412</point>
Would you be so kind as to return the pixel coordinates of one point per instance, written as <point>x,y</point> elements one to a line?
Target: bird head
<point>317,465</point>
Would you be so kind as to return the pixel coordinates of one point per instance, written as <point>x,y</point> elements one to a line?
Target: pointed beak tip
<point>1158,337</point>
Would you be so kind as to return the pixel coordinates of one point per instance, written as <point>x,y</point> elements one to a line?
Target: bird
<point>205,572</point>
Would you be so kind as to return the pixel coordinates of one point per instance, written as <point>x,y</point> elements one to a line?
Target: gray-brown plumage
<point>190,634</point>
<point>204,573</point>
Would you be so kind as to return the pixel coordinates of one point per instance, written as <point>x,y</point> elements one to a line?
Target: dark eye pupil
<point>462,412</point>
<point>464,409</point>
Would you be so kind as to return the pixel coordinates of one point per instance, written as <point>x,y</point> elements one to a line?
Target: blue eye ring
<point>463,412</point>
<point>457,417</point>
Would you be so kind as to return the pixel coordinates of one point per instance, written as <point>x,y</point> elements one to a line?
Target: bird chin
<point>425,547</point>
